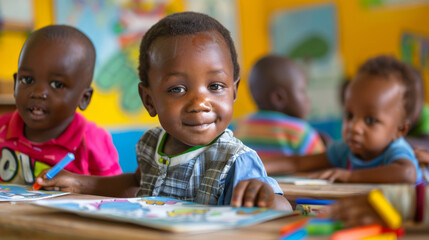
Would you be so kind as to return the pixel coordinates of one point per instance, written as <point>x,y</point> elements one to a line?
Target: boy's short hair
<point>387,67</point>
<point>183,23</point>
<point>270,73</point>
<point>66,33</point>
<point>264,77</point>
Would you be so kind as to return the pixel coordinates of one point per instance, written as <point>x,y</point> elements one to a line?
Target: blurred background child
<point>54,75</point>
<point>378,110</point>
<point>418,135</point>
<point>279,89</point>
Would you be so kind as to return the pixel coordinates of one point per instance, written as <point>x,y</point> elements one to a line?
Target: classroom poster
<point>309,35</point>
<point>166,213</point>
<point>415,50</point>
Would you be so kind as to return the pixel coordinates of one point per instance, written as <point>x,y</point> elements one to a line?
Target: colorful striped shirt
<point>276,134</point>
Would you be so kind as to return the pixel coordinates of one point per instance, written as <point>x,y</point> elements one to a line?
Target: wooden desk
<point>329,191</point>
<point>26,221</point>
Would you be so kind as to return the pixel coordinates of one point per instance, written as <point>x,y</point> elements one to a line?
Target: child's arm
<point>292,164</point>
<point>422,155</point>
<point>399,171</point>
<point>253,192</point>
<point>355,211</point>
<point>124,185</point>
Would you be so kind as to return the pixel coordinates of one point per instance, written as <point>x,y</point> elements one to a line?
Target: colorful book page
<point>166,213</point>
<point>300,180</point>
<point>15,193</point>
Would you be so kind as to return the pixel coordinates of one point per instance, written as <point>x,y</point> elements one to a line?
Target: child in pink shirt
<point>54,75</point>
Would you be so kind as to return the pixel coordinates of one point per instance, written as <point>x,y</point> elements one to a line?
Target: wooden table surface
<point>23,220</point>
<point>335,190</point>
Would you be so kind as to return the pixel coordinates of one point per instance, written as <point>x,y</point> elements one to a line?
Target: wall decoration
<point>415,50</point>
<point>309,35</point>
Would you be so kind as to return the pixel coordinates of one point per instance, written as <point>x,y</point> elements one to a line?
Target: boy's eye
<point>26,80</point>
<point>348,115</point>
<point>177,90</point>
<point>370,120</point>
<point>57,84</point>
<point>215,86</point>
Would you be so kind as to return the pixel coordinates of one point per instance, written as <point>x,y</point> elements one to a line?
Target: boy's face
<point>191,87</point>
<point>50,83</point>
<point>373,115</point>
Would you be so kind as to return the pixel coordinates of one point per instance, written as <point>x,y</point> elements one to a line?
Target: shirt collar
<point>162,159</point>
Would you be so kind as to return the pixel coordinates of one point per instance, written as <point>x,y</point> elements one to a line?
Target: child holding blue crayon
<point>378,110</point>
<point>189,77</point>
<point>54,75</point>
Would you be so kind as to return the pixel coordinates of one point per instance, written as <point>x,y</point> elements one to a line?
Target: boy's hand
<point>354,211</point>
<point>332,174</point>
<point>64,181</point>
<point>252,193</point>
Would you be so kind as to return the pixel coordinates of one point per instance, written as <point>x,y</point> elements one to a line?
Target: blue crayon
<point>60,165</point>
<point>314,201</point>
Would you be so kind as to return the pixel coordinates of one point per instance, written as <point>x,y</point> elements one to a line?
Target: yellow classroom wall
<point>363,33</point>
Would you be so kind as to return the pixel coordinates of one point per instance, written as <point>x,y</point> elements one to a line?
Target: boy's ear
<point>404,128</point>
<point>236,83</point>
<point>145,96</point>
<point>278,99</point>
<point>86,98</point>
<point>14,84</point>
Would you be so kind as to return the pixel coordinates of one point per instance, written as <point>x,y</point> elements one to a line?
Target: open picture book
<point>166,213</point>
<point>15,193</point>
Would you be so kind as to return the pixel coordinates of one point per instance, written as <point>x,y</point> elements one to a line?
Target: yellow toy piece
<point>389,214</point>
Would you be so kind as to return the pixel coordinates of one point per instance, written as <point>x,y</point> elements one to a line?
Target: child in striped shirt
<point>279,89</point>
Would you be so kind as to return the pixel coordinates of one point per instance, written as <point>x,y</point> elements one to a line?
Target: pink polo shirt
<point>21,161</point>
